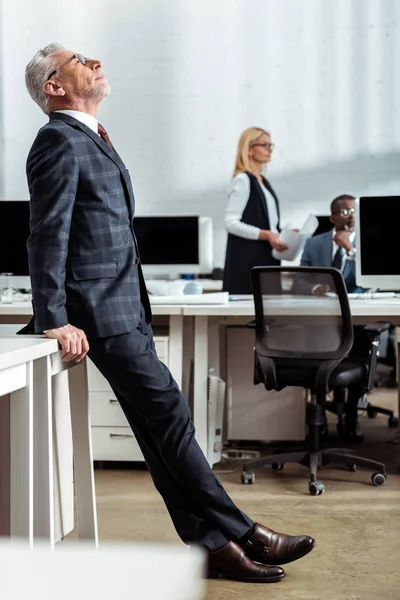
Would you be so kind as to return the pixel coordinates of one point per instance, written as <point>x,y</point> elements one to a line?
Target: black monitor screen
<point>167,240</point>
<point>161,240</point>
<point>324,224</point>
<point>379,227</point>
<point>14,232</point>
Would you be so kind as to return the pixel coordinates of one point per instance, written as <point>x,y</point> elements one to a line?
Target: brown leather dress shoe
<point>231,562</point>
<point>272,548</point>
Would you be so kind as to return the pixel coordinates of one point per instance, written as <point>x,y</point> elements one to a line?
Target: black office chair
<point>308,347</point>
<point>347,426</point>
<point>353,434</point>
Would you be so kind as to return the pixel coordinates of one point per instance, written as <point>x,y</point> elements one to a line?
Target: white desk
<point>32,376</point>
<point>240,312</point>
<point>173,312</point>
<point>236,312</point>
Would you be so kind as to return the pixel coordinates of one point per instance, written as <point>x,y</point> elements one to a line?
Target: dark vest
<point>242,254</point>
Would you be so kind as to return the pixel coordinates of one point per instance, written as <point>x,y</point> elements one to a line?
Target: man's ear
<point>332,220</point>
<point>52,88</point>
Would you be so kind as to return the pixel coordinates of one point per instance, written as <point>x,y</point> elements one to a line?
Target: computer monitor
<point>168,246</point>
<point>377,232</point>
<point>172,246</point>
<point>14,233</point>
<point>324,224</point>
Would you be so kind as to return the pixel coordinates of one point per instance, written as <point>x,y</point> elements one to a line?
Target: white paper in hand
<point>295,240</point>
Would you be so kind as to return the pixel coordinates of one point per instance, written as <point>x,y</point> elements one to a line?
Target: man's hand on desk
<point>73,342</point>
<point>321,290</point>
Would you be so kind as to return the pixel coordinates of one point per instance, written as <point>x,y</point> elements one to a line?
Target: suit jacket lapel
<point>111,153</point>
<point>327,249</point>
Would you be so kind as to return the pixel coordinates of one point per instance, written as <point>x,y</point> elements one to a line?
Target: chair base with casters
<point>314,457</point>
<point>373,411</point>
<point>339,409</point>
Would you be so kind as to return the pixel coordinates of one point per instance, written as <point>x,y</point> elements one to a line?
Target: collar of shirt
<point>84,118</point>
<point>335,246</point>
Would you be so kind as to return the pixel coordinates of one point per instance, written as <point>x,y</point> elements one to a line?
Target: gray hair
<point>37,72</point>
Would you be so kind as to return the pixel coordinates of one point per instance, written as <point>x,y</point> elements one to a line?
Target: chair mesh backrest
<point>300,311</point>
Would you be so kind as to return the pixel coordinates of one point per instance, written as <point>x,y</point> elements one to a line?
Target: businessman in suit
<point>89,294</point>
<point>337,248</point>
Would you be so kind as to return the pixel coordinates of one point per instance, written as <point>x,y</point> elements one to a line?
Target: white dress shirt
<point>335,248</point>
<point>83,117</point>
<point>238,196</point>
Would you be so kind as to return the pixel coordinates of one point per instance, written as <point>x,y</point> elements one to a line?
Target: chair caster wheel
<point>371,413</point>
<point>316,488</point>
<point>248,477</point>
<point>378,478</point>
<point>277,466</point>
<point>393,422</point>
<point>353,468</point>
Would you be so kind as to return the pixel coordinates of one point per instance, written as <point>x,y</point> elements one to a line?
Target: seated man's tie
<point>337,262</point>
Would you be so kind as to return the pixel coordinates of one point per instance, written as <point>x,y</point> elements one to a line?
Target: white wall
<point>188,77</point>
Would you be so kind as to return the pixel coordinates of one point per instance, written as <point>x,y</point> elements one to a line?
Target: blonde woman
<point>252,213</point>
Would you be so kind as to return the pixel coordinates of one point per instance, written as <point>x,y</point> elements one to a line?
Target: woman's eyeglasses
<point>266,146</point>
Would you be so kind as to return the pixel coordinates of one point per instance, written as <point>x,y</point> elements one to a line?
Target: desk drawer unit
<point>112,437</point>
<point>115,443</point>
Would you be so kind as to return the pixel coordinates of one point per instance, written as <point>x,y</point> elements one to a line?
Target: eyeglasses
<point>266,146</point>
<point>345,212</point>
<point>80,58</point>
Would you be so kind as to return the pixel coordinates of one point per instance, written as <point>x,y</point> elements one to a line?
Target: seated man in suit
<point>337,248</point>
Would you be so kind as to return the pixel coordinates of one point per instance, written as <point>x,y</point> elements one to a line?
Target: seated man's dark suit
<point>318,253</point>
<point>85,270</point>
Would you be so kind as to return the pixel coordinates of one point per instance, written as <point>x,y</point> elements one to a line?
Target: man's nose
<point>95,64</point>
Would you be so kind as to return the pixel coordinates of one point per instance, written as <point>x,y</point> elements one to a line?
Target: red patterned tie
<point>104,135</point>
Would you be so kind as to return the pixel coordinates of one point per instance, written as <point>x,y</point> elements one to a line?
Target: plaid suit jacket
<point>83,258</point>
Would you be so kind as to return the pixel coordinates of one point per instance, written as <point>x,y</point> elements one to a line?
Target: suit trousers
<point>159,415</point>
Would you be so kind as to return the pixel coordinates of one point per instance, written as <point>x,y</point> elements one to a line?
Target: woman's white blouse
<point>238,195</point>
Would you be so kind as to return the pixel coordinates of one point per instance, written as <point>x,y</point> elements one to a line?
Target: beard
<point>103,90</point>
<point>96,92</point>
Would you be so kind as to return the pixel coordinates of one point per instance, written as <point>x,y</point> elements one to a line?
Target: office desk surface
<point>25,308</point>
<point>371,309</point>
<point>15,351</point>
<point>244,306</point>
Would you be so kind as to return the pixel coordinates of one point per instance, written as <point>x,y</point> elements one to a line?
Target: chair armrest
<point>251,325</point>
<point>377,328</point>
